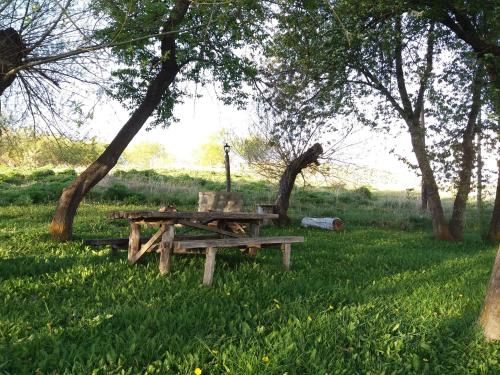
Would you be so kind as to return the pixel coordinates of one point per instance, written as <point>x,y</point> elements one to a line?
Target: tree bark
<point>439,225</point>
<point>288,180</point>
<point>12,52</point>
<point>457,222</point>
<point>494,232</point>
<point>490,314</point>
<point>424,198</point>
<point>61,227</point>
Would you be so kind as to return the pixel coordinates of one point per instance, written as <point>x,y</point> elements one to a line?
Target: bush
<point>119,192</point>
<point>41,174</point>
<point>364,192</point>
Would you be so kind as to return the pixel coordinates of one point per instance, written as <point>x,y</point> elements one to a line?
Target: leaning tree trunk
<point>61,226</point>
<point>288,180</point>
<point>12,52</point>
<point>490,315</point>
<point>439,225</point>
<point>494,232</point>
<point>424,197</point>
<point>457,222</point>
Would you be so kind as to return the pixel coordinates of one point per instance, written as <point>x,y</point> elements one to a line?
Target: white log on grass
<point>330,223</point>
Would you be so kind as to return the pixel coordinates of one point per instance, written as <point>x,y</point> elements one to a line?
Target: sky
<point>202,117</point>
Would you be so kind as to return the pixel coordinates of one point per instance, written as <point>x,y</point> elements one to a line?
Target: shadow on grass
<point>35,266</point>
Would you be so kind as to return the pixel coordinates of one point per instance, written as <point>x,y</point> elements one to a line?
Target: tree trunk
<point>439,226</point>
<point>288,180</point>
<point>457,222</point>
<point>490,315</point>
<point>479,173</point>
<point>61,226</point>
<point>494,232</point>
<point>11,56</point>
<point>424,198</point>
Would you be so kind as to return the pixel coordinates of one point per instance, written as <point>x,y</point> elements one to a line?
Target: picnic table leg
<point>133,241</point>
<point>166,248</point>
<point>287,249</point>
<point>208,275</point>
<point>254,232</point>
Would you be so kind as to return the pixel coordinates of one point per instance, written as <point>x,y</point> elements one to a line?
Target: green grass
<point>371,300</point>
<point>381,297</point>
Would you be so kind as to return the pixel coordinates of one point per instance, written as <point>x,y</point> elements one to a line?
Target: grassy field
<point>381,297</point>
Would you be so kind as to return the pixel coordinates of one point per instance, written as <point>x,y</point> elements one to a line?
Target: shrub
<point>365,192</point>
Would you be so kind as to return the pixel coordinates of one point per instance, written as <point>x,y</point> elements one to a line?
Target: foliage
<point>50,73</point>
<point>211,153</point>
<point>206,43</point>
<point>22,148</point>
<point>365,300</point>
<point>146,155</point>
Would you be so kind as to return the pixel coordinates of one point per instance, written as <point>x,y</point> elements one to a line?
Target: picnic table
<point>215,224</point>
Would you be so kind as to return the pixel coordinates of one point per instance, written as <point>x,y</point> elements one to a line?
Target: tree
<point>477,23</point>
<point>194,40</point>
<point>211,153</point>
<point>146,155</point>
<point>47,64</point>
<point>21,148</point>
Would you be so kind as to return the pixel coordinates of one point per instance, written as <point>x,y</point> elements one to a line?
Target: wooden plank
<point>254,229</point>
<point>287,250</point>
<point>133,242</point>
<point>147,245</point>
<point>208,275</point>
<point>122,242</point>
<point>166,249</point>
<point>190,215</point>
<point>236,242</point>
<point>208,228</point>
<point>254,232</point>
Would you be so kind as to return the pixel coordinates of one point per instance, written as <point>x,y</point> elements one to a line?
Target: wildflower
<point>197,371</point>
<point>309,318</point>
<point>265,359</point>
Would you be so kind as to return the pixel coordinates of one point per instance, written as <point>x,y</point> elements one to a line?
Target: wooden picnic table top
<point>189,215</point>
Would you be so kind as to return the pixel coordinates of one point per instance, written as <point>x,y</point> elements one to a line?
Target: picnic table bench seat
<point>211,245</point>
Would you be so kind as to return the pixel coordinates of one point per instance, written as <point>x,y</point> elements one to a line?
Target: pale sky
<point>202,117</point>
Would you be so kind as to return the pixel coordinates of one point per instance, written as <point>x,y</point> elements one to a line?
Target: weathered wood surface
<point>286,248</point>
<point>208,228</point>
<point>221,201</point>
<point>166,247</point>
<point>266,208</point>
<point>122,242</point>
<point>236,242</point>
<point>189,215</point>
<point>208,275</point>
<point>147,245</point>
<point>133,242</point>
<point>330,223</point>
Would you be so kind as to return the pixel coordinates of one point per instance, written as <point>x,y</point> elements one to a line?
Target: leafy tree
<point>211,153</point>
<point>48,62</point>
<point>21,148</point>
<point>193,41</point>
<point>366,55</point>
<point>146,155</point>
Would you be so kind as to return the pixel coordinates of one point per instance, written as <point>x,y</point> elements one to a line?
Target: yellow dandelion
<point>197,371</point>
<point>265,359</point>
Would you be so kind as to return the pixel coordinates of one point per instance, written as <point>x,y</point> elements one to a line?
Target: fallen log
<point>330,223</point>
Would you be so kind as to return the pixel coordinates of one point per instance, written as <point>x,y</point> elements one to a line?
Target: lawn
<point>374,299</point>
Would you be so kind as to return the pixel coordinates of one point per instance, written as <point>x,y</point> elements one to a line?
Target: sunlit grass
<point>371,299</point>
